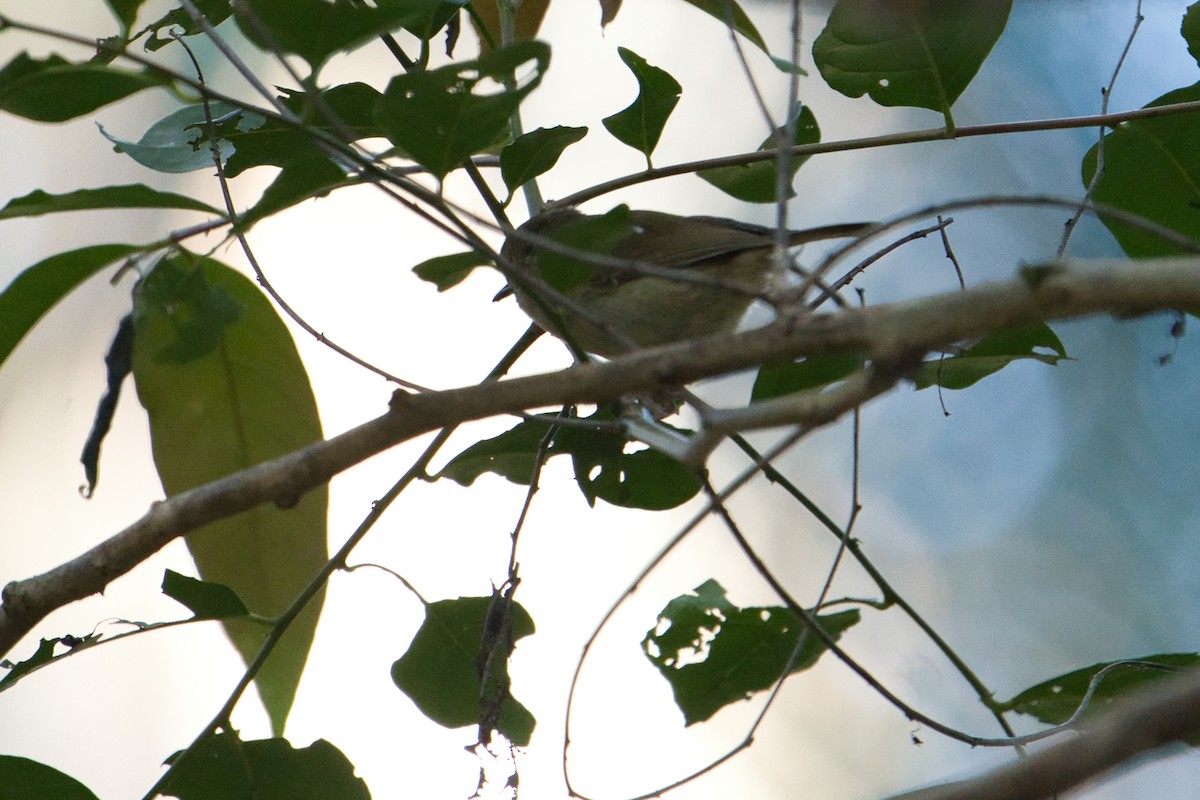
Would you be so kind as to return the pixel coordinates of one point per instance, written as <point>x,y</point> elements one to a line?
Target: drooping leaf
<point>35,291</point>
<point>135,195</point>
<point>447,271</point>
<point>118,364</point>
<point>52,89</point>
<point>1056,700</point>
<point>125,11</point>
<point>714,653</point>
<point>776,380</point>
<point>920,53</point>
<point>641,124</point>
<point>204,599</point>
<point>224,767</point>
<point>535,153</point>
<point>224,387</point>
<point>443,116</point>
<point>992,354</point>
<point>728,12</point>
<point>756,183</point>
<point>26,779</point>
<point>441,671</point>
<point>178,142</point>
<point>1152,169</point>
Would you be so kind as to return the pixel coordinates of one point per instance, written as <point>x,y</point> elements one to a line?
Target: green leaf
<point>535,153</point>
<point>204,599</point>
<point>645,479</point>
<point>225,389</point>
<point>920,53</point>
<point>447,271</point>
<point>277,144</point>
<point>135,195</point>
<point>1190,30</point>
<point>442,117</point>
<point>223,767</point>
<point>125,11</point>
<point>714,653</point>
<point>42,656</point>
<point>316,29</point>
<point>440,672</point>
<point>776,380</point>
<point>641,124</point>
<point>991,354</point>
<point>1152,169</point>
<point>756,183</point>
<point>118,363</point>
<point>53,89</point>
<point>1054,701</point>
<point>25,779</point>
<point>178,142</point>
<point>35,291</point>
<point>299,180</point>
<point>179,21</point>
<point>511,455</point>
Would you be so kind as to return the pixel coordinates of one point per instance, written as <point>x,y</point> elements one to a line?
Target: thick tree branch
<point>891,335</point>
<point>1162,716</point>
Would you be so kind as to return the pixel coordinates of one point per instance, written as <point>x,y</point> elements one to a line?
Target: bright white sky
<point>1029,526</point>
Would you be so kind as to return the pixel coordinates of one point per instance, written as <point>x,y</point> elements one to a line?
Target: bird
<point>722,263</point>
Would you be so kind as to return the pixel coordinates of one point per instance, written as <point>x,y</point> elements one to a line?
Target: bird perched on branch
<point>644,278</point>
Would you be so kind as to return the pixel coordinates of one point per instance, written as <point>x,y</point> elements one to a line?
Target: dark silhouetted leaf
<point>447,271</point>
<point>53,89</point>
<point>714,653</point>
<point>641,124</point>
<point>535,153</point>
<point>440,672</point>
<point>223,768</point>
<point>204,599</point>
<point>776,380</point>
<point>118,364</point>
<point>443,116</point>
<point>25,779</point>
<point>135,195</point>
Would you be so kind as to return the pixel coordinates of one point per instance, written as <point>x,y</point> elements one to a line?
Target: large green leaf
<point>226,768</point>
<point>1152,169</point>
<point>714,653</point>
<point>641,124</point>
<point>443,116</point>
<point>38,288</point>
<point>135,195</point>
<point>53,89</point>
<point>992,354</point>
<point>24,779</point>
<point>920,53</point>
<point>225,389</point>
<point>441,671</point>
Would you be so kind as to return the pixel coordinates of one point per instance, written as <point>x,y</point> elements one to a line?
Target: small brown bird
<point>650,310</point>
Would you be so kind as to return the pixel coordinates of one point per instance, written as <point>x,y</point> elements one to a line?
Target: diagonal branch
<point>890,334</point>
